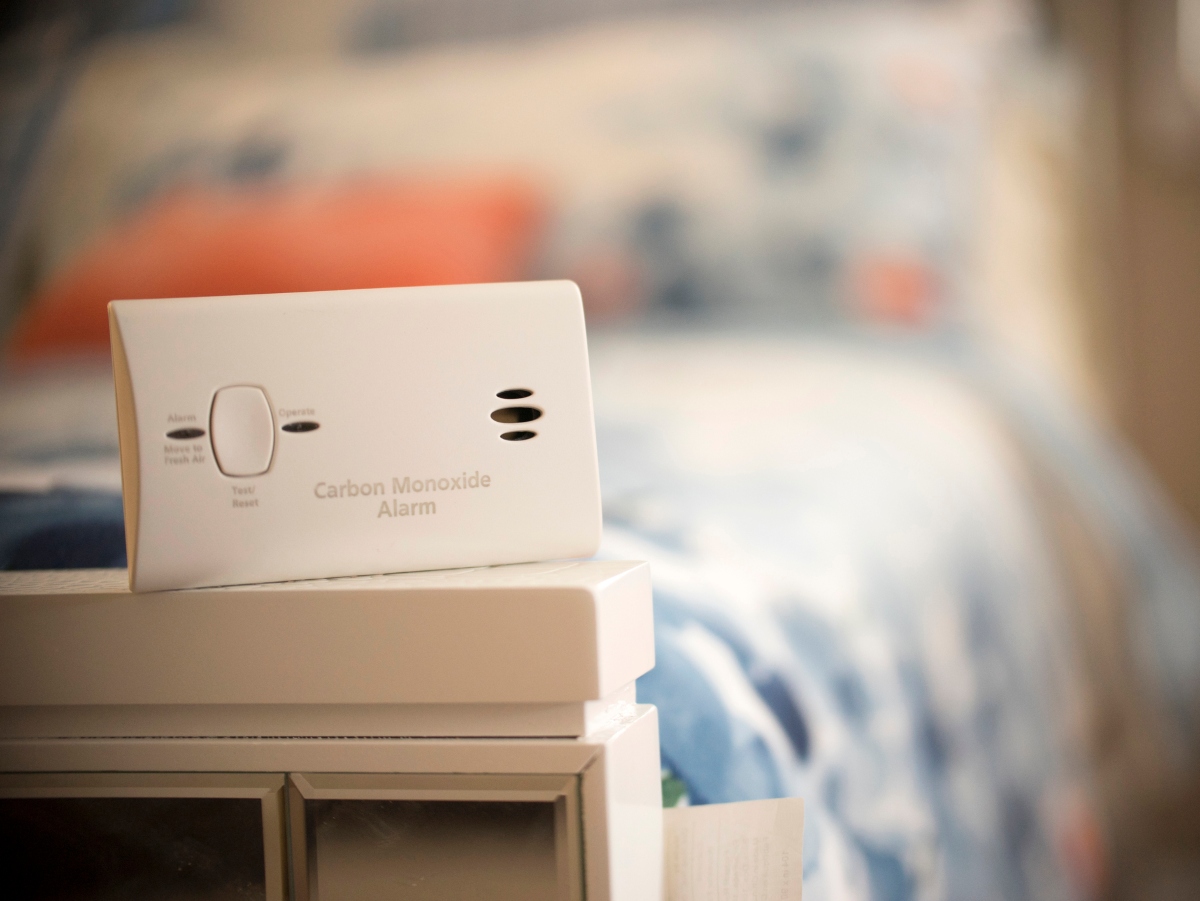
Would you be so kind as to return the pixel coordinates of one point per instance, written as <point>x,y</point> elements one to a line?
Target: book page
<point>745,851</point>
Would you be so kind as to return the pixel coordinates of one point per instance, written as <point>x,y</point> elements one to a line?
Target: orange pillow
<point>367,233</point>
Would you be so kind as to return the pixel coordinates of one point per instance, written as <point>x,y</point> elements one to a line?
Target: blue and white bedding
<point>859,600</point>
<point>853,604</point>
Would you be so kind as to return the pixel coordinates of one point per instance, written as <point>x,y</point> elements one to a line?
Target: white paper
<point>747,851</point>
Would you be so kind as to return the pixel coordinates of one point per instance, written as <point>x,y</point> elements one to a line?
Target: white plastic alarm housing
<point>333,433</point>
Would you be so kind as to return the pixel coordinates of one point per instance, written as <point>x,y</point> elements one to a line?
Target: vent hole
<point>186,434</point>
<point>304,426</point>
<point>514,393</point>
<point>517,414</point>
<point>518,436</point>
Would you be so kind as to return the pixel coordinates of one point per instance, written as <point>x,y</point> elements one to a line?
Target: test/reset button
<point>242,430</point>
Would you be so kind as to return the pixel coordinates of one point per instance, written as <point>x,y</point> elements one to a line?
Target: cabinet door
<point>432,837</point>
<point>100,836</point>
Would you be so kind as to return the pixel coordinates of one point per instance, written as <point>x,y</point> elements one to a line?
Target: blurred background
<point>894,310</point>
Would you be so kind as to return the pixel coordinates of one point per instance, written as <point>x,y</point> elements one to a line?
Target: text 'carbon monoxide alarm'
<point>333,433</point>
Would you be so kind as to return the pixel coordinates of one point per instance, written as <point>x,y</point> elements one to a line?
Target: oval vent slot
<point>518,436</point>
<point>514,393</point>
<point>186,434</point>
<point>516,414</point>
